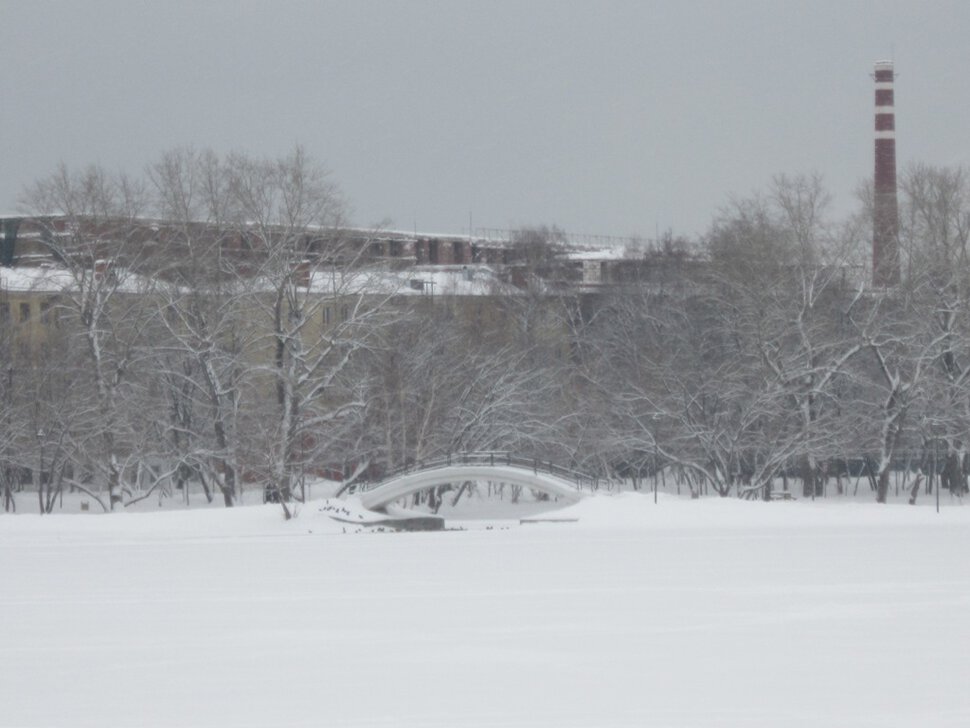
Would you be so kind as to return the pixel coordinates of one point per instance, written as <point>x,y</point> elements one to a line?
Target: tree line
<point>246,342</point>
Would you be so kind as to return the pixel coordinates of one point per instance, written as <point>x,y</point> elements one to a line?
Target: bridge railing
<point>488,458</point>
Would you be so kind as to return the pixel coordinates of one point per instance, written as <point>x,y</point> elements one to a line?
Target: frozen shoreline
<point>684,613</point>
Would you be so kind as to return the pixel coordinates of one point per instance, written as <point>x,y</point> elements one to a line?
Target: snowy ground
<point>685,613</point>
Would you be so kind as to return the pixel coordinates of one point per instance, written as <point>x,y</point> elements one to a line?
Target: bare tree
<point>934,231</point>
<point>318,306</point>
<point>202,312</point>
<point>13,419</point>
<point>97,237</point>
<point>732,376</point>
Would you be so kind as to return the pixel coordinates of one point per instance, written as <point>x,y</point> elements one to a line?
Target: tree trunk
<point>882,485</point>
<point>227,483</point>
<point>952,476</point>
<point>461,491</point>
<point>914,491</point>
<point>205,487</point>
<point>810,477</point>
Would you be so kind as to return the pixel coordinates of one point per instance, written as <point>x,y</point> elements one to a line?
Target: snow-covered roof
<point>470,280</point>
<point>53,279</point>
<point>455,280</point>
<point>611,253</point>
<point>35,278</point>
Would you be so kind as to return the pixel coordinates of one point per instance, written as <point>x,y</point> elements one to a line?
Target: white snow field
<point>685,613</point>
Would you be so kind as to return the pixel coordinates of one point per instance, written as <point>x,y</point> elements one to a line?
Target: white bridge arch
<point>557,482</point>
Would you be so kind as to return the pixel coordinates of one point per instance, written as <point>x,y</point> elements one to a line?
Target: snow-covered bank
<point>686,613</point>
<point>601,511</point>
<point>628,510</point>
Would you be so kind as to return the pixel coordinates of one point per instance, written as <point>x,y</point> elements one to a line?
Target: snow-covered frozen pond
<point>710,613</point>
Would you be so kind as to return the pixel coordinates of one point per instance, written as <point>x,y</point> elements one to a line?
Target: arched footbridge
<point>546,477</point>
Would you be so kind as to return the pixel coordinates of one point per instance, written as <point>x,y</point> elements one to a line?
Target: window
<point>48,314</point>
<point>344,313</point>
<point>24,312</point>
<point>327,315</point>
<point>4,313</point>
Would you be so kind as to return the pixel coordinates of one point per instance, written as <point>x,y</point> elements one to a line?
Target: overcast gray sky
<point>601,117</point>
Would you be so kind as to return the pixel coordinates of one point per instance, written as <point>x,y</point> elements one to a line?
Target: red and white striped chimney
<point>885,214</point>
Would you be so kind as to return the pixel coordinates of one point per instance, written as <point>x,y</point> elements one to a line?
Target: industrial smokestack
<point>885,214</point>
